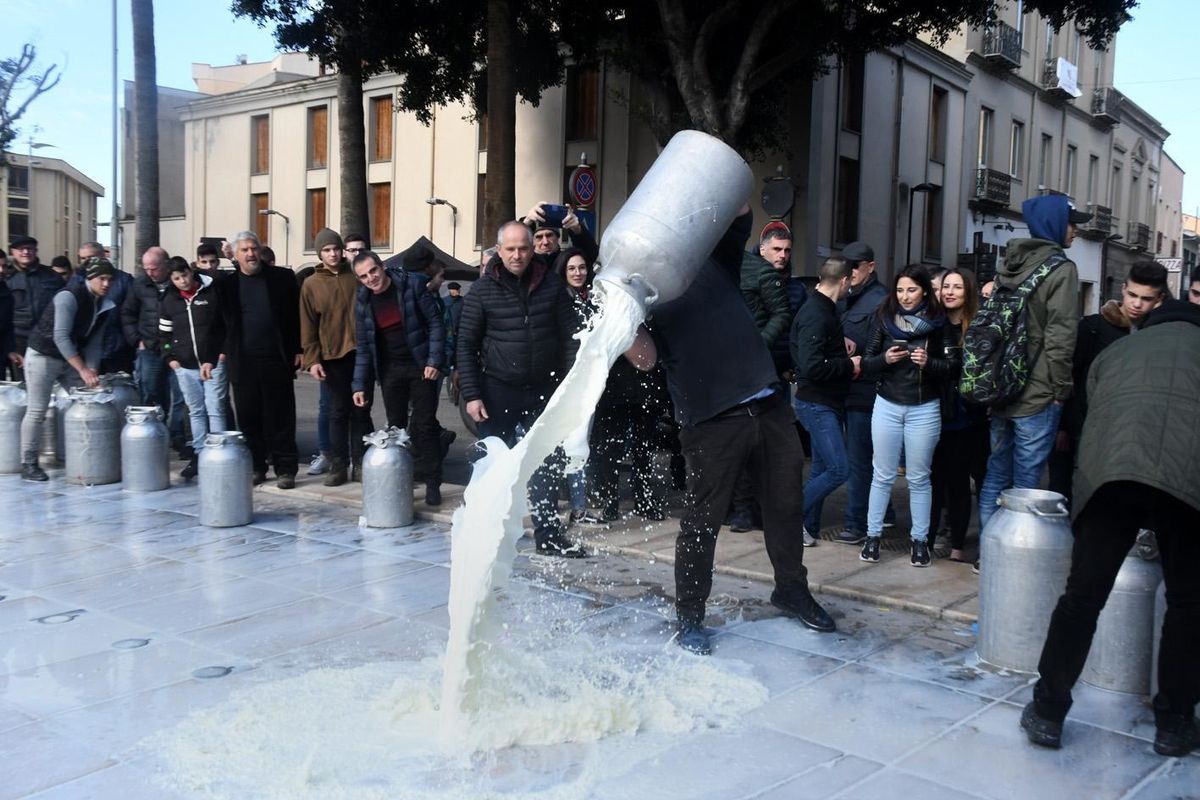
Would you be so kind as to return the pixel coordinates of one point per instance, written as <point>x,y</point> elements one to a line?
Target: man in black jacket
<point>261,306</point>
<point>547,237</point>
<point>515,343</point>
<point>823,373</point>
<point>732,411</point>
<point>139,321</point>
<point>33,287</point>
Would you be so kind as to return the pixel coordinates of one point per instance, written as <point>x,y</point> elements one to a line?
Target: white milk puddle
<point>520,703</point>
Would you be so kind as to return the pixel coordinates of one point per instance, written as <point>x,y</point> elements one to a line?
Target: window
<point>483,132</point>
<point>1016,150</point>
<point>852,94</point>
<point>316,216</point>
<point>1076,45</point>
<point>583,103</point>
<point>381,128</point>
<point>986,119</point>
<point>1069,170</point>
<point>1114,191</point>
<point>260,145</point>
<point>318,137</point>
<point>933,225</point>
<point>1093,173</point>
<point>481,238</point>
<point>18,178</point>
<point>18,224</point>
<point>1050,31</point>
<point>939,110</point>
<point>1020,24</point>
<point>1158,243</point>
<point>381,215</point>
<point>846,210</point>
<point>260,223</point>
<point>1046,161</point>
<point>1135,187</point>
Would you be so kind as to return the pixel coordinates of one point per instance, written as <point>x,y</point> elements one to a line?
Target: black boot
<point>30,471</point>
<point>191,470</point>
<point>1041,730</point>
<point>433,494</point>
<point>338,474</point>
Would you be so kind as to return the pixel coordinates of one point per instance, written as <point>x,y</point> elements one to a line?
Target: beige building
<point>53,202</point>
<point>1168,218</point>
<point>1190,248</point>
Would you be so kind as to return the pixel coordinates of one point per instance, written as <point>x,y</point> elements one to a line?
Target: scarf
<point>913,324</point>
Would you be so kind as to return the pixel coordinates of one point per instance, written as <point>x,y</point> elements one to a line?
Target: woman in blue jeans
<point>907,358</point>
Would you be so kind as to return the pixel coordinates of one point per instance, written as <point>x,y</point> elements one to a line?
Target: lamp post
<point>287,233</point>
<point>437,201</point>
<point>29,174</point>
<point>922,188</point>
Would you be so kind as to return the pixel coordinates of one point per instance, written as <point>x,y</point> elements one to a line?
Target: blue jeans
<point>205,401</point>
<point>324,443</point>
<point>829,465</point>
<point>158,387</point>
<point>1020,449</point>
<point>915,429</point>
<point>858,462</point>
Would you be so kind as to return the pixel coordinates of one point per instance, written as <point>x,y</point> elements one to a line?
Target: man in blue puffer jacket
<point>401,340</point>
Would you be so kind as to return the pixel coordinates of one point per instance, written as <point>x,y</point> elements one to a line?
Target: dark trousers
<point>401,384</point>
<point>264,398</point>
<point>616,430</point>
<point>512,410</point>
<point>348,423</point>
<point>960,456</point>
<point>859,452</point>
<point>1104,532</point>
<point>716,450</point>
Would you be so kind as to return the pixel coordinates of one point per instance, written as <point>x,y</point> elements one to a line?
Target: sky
<point>1154,66</point>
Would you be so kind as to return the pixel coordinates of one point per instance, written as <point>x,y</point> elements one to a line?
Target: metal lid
<point>110,378</point>
<point>1034,501</point>
<point>388,437</point>
<point>143,413</point>
<point>222,438</point>
<point>83,394</point>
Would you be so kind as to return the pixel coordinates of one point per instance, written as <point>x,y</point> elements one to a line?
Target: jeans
<point>1104,531</point>
<point>1020,447</point>
<point>915,429</point>
<point>829,465</point>
<point>577,486</point>
<point>858,462</point>
<point>323,441</point>
<point>158,387</point>
<point>205,401</point>
<point>41,371</point>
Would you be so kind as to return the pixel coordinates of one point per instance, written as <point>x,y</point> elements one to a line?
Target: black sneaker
<point>258,478</point>
<point>800,604</point>
<point>557,544</point>
<point>693,638</point>
<point>1176,736</point>
<point>920,554</point>
<point>32,472</point>
<point>190,471</point>
<point>870,549</point>
<point>850,536</point>
<point>975,567</point>
<point>433,494</point>
<point>1040,730</point>
<point>741,522</point>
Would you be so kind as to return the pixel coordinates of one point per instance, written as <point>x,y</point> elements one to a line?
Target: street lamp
<point>287,233</point>
<point>29,176</point>
<point>437,201</point>
<point>923,188</point>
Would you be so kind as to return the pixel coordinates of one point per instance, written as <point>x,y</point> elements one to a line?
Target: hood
<point>1173,311</point>
<point>1047,216</point>
<point>1023,256</point>
<point>1111,313</point>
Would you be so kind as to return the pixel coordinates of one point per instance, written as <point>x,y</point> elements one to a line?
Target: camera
<point>554,215</point>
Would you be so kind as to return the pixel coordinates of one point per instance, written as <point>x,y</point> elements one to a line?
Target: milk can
<point>387,480</point>
<point>1025,557</point>
<point>1160,614</point>
<point>145,450</point>
<point>679,211</point>
<point>55,432</point>
<point>12,412</point>
<point>1122,648</point>
<point>226,483</point>
<point>124,390</point>
<point>93,433</point>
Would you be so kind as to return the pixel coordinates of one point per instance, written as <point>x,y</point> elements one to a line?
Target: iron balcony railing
<point>1106,104</point>
<point>1101,221</point>
<point>1139,236</point>
<point>992,186</point>
<point>1002,45</point>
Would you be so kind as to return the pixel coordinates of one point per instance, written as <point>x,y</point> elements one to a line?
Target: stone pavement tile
<point>12,718</point>
<point>1114,711</point>
<point>849,642</point>
<point>888,784</point>
<point>717,765</point>
<point>125,668</point>
<point>425,541</point>
<point>282,628</point>
<point>866,712</point>
<point>965,609</point>
<point>1176,779</point>
<point>68,633</point>
<point>339,571</point>
<point>827,563</point>
<point>824,780</point>
<point>52,570</point>
<point>136,584</point>
<point>398,640</point>
<point>946,655</point>
<point>42,544</point>
<point>411,594</point>
<point>780,669</point>
<point>990,756</point>
<point>125,781</point>
<point>631,538</point>
<point>895,581</point>
<point>37,758</point>
<point>18,608</point>
<point>219,599</point>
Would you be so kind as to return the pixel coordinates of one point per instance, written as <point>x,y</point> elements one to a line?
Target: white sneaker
<point>809,539</point>
<point>319,465</point>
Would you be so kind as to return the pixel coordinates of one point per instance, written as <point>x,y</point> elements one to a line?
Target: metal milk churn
<point>1025,557</point>
<point>1160,614</point>
<point>54,438</point>
<point>387,480</point>
<point>668,227</point>
<point>12,411</point>
<point>93,438</point>
<point>145,450</point>
<point>124,390</point>
<point>1120,658</point>
<point>226,487</point>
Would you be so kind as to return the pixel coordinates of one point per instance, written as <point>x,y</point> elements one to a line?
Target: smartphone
<point>554,215</point>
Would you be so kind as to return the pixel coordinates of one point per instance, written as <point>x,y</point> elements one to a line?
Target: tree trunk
<point>145,103</point>
<point>499,190</point>
<point>352,146</point>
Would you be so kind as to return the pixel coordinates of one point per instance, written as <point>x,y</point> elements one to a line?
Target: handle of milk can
<point>1060,510</point>
<point>651,292</point>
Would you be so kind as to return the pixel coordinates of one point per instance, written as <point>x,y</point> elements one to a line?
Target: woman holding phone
<point>907,358</point>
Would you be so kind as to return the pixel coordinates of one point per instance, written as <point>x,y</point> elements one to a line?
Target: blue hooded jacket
<point>1047,216</point>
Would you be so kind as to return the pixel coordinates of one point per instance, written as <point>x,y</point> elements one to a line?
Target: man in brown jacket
<point>328,343</point>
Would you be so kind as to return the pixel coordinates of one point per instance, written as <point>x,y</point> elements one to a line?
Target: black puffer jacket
<point>519,332</point>
<point>32,293</point>
<point>904,382</point>
<point>192,332</point>
<point>139,312</point>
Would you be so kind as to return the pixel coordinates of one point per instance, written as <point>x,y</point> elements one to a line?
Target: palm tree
<point>145,104</point>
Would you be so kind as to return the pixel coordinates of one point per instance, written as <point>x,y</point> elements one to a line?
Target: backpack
<point>996,365</point>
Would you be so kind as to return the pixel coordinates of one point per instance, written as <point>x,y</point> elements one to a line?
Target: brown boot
<point>338,473</point>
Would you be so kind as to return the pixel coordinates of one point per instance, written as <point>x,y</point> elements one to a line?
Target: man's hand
<point>850,346</point>
<point>90,377</point>
<point>298,361</point>
<point>360,399</point>
<point>141,345</point>
<point>857,362</point>
<point>988,288</point>
<point>432,373</point>
<point>16,360</point>
<point>206,372</point>
<point>317,371</point>
<point>571,222</point>
<point>174,365</point>
<point>476,411</point>
<point>535,214</point>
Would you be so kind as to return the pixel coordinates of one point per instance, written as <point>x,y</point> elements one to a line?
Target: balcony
<point>1106,105</point>
<point>992,187</point>
<point>1101,223</point>
<point>1001,45</point>
<point>1060,79</point>
<point>1138,236</point>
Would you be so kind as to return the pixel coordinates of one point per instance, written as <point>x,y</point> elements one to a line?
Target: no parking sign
<point>583,185</point>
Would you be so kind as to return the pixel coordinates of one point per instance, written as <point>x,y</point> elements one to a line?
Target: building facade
<point>50,200</point>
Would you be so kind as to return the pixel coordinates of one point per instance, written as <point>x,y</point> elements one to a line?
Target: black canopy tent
<point>423,254</point>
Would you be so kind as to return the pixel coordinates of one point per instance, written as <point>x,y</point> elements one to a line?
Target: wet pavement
<point>121,617</point>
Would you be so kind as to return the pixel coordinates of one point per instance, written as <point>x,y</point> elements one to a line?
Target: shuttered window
<point>381,128</point>
<point>381,215</point>
<point>318,137</point>
<point>316,216</point>
<point>260,223</point>
<point>583,103</point>
<point>260,144</point>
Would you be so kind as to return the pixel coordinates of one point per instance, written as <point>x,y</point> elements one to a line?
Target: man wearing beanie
<point>65,346</point>
<point>327,340</point>
<point>547,235</point>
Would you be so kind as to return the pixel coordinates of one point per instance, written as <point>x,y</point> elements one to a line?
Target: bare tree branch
<point>16,70</point>
<point>739,93</point>
<point>675,30</point>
